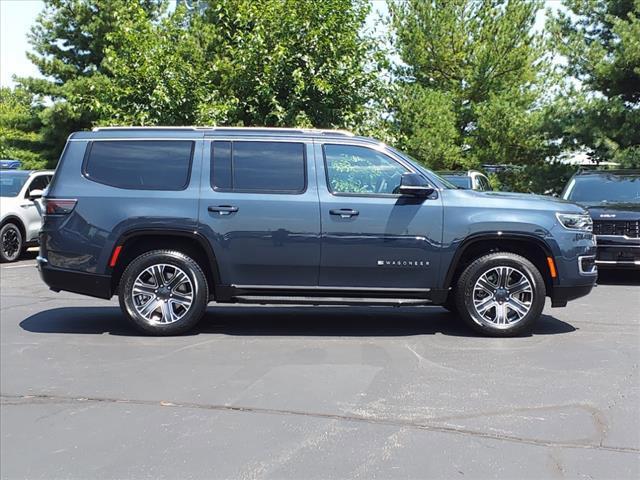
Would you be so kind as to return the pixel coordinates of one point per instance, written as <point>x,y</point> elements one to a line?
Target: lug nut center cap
<point>502,294</point>
<point>163,292</point>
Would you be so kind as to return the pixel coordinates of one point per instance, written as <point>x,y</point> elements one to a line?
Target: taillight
<point>59,206</point>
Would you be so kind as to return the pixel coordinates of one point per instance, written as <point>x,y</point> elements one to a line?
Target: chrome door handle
<point>223,209</point>
<point>344,212</point>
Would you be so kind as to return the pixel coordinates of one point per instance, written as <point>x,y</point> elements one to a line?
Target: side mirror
<point>35,194</point>
<point>415,185</point>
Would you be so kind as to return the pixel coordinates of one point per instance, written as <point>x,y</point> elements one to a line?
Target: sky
<point>17,17</point>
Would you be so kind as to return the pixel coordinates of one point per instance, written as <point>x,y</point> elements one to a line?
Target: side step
<point>305,300</point>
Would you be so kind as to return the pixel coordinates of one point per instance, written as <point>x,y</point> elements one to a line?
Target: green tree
<point>231,62</point>
<point>601,41</point>
<point>245,62</point>
<point>471,82</point>
<point>69,40</point>
<point>19,127</point>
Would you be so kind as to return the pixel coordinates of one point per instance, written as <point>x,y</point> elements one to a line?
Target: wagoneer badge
<point>403,263</point>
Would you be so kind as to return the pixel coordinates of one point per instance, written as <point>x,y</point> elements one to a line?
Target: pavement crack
<point>13,399</point>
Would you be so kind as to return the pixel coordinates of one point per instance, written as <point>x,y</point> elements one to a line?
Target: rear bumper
<point>72,281</point>
<point>561,295</point>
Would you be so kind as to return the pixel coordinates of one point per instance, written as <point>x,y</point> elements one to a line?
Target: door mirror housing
<point>35,194</point>
<point>415,185</point>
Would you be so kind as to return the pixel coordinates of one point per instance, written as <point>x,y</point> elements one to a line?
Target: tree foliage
<point>461,83</point>
<point>244,62</point>
<point>234,62</point>
<point>471,81</point>
<point>601,41</point>
<point>19,128</point>
<point>69,42</point>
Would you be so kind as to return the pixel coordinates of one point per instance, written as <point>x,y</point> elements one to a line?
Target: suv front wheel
<point>501,294</point>
<point>163,292</point>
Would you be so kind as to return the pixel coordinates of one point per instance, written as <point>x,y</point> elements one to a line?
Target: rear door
<point>373,237</point>
<point>259,209</point>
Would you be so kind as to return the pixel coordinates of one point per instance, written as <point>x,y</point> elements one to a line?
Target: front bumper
<point>561,295</point>
<point>73,281</point>
<point>618,252</point>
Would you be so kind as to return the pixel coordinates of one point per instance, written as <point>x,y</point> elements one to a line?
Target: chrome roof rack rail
<point>125,127</point>
<point>310,131</point>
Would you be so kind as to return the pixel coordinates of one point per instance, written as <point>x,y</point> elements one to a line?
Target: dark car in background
<point>613,200</point>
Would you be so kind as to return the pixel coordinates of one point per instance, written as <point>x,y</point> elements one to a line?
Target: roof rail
<point>316,131</point>
<point>124,127</point>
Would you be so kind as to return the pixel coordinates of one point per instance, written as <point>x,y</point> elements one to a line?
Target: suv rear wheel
<point>11,242</point>
<point>501,294</point>
<point>163,292</point>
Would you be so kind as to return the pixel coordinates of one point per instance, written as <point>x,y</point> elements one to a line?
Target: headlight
<point>576,221</point>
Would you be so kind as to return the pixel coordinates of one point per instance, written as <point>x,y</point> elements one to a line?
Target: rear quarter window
<point>140,164</point>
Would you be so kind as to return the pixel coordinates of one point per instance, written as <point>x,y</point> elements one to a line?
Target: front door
<point>259,209</point>
<point>371,236</point>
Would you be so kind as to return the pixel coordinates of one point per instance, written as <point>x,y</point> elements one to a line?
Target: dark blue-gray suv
<point>170,219</point>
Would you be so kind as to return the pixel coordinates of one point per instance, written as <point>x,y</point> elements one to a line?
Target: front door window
<point>360,170</point>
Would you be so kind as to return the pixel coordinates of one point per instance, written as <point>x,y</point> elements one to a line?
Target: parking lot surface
<point>316,392</point>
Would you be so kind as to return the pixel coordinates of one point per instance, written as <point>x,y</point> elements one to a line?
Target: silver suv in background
<point>20,215</point>
<point>470,180</point>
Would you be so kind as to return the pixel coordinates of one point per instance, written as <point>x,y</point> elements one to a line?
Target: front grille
<point>617,227</point>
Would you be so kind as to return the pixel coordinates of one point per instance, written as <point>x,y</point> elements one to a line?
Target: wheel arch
<point>530,246</point>
<point>136,242</point>
<point>18,222</point>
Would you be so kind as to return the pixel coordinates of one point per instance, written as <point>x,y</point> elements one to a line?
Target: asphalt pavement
<point>316,392</point>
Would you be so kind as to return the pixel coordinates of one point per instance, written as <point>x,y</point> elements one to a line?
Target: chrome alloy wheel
<point>502,297</point>
<point>11,243</point>
<point>162,294</point>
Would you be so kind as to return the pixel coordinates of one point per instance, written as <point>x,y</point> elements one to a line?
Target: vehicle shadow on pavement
<point>280,321</point>
<point>618,277</point>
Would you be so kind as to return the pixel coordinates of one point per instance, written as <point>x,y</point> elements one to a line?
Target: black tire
<point>534,296</point>
<point>11,243</point>
<point>195,286</point>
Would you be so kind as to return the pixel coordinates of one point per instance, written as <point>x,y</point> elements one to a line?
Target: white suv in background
<point>470,180</point>
<point>20,214</point>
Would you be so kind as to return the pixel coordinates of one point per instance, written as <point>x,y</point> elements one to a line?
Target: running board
<point>305,300</point>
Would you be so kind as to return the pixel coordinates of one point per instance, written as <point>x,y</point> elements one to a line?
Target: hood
<point>8,205</point>
<point>614,211</point>
<point>531,201</point>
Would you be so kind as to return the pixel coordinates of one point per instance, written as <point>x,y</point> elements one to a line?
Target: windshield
<point>441,182</point>
<point>603,189</point>
<point>11,183</point>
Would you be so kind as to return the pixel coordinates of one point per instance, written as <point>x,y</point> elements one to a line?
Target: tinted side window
<point>221,172</point>
<point>258,166</point>
<point>352,169</point>
<point>140,164</point>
